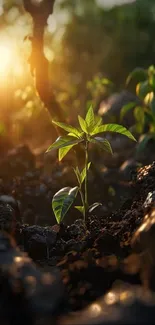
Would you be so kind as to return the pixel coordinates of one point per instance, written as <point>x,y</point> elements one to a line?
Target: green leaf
<point>90,119</point>
<point>152,82</point>
<point>78,176</point>
<point>140,118</point>
<point>152,105</point>
<point>138,128</point>
<point>139,74</point>
<point>64,142</point>
<point>106,82</point>
<point>62,201</point>
<point>98,121</point>
<point>148,98</point>
<point>63,151</point>
<point>104,144</point>
<point>126,108</point>
<point>151,70</point>
<point>149,101</point>
<point>83,173</point>
<point>94,206</point>
<point>81,176</point>
<point>75,136</point>
<point>68,128</point>
<point>113,128</point>
<point>141,146</point>
<point>83,124</point>
<point>79,208</point>
<point>149,117</point>
<point>142,89</point>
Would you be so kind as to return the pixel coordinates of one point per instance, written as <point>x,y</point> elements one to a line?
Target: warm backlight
<point>5,59</point>
<point>10,62</point>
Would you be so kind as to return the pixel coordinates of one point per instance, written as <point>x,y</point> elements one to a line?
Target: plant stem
<point>83,203</point>
<point>86,178</point>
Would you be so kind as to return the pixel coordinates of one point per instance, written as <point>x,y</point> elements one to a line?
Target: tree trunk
<point>40,12</point>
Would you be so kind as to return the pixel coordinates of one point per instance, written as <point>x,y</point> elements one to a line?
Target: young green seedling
<point>90,130</point>
<point>144,112</point>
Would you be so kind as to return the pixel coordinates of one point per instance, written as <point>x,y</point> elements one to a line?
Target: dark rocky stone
<point>128,168</point>
<point>29,231</point>
<point>37,247</point>
<point>38,240</point>
<point>58,249</point>
<point>108,243</point>
<point>73,245</point>
<point>7,218</point>
<point>74,230</point>
<point>51,236</point>
<point>27,295</point>
<point>143,243</point>
<point>80,223</point>
<point>144,238</point>
<point>112,106</point>
<point>8,199</point>
<point>124,304</point>
<point>150,200</point>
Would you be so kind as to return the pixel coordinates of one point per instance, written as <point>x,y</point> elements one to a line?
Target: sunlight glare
<point>18,70</point>
<point>5,58</point>
<point>95,309</point>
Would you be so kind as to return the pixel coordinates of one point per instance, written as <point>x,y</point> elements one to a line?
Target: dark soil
<point>91,256</point>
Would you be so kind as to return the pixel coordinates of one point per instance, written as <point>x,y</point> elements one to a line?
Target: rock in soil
<point>124,304</point>
<point>27,294</point>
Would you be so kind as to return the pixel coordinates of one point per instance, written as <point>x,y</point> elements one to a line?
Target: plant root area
<point>113,250</point>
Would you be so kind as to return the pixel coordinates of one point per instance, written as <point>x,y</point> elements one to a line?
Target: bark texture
<point>40,12</point>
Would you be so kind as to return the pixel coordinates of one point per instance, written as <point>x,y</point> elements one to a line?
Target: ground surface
<point>93,256</point>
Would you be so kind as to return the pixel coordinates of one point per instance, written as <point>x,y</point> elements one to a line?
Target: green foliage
<point>99,87</point>
<point>79,208</point>
<point>62,201</point>
<point>113,128</point>
<point>64,141</point>
<point>68,128</point>
<point>139,74</point>
<point>83,124</point>
<point>81,176</point>
<point>103,144</point>
<point>83,173</point>
<point>99,44</point>
<point>94,206</point>
<point>126,108</point>
<point>85,133</point>
<point>144,114</point>
<point>63,151</point>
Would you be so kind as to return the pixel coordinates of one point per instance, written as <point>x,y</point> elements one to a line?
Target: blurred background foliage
<point>87,43</point>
